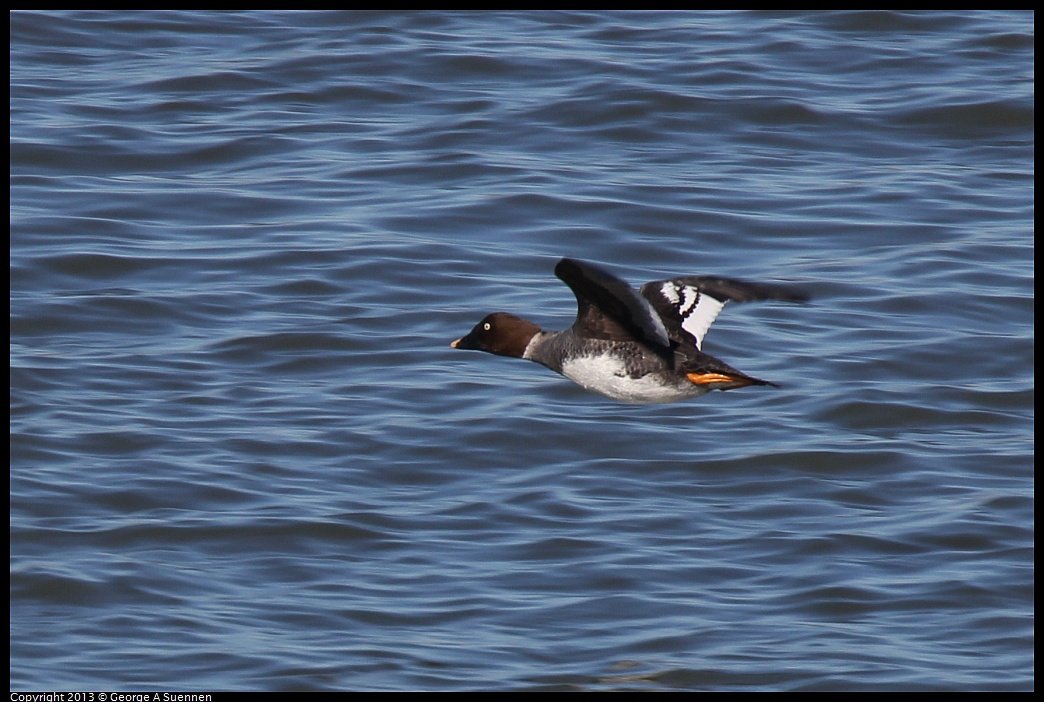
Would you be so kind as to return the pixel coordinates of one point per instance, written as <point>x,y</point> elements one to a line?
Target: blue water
<point>244,456</point>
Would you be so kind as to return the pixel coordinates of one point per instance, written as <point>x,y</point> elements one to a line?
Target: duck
<point>640,346</point>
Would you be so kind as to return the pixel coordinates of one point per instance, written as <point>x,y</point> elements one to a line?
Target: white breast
<point>607,375</point>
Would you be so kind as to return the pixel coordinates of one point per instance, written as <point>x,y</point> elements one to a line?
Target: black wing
<point>608,308</point>
<point>688,306</point>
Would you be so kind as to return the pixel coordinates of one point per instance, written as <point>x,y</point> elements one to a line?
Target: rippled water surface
<point>244,456</point>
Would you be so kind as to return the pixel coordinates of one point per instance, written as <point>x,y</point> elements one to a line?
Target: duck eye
<point>487,326</point>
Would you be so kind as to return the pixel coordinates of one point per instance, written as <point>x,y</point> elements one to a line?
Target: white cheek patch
<point>696,310</point>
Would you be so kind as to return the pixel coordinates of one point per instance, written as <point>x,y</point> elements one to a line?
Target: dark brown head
<point>500,333</point>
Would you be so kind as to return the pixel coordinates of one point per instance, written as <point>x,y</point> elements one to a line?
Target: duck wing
<point>608,308</point>
<point>688,306</point>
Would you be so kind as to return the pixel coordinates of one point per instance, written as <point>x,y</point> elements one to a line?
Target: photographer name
<point>111,697</point>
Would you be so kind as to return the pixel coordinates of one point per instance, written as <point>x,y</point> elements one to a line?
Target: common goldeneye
<point>640,347</point>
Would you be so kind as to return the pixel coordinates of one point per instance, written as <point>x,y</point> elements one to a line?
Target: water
<point>243,455</point>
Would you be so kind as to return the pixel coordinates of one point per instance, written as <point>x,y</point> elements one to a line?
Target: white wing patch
<point>697,310</point>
